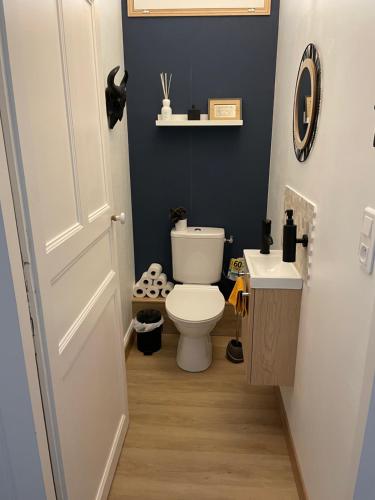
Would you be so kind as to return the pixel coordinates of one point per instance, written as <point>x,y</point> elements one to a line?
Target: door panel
<point>94,264</point>
<point>68,194</point>
<point>42,73</point>
<point>78,20</point>
<point>70,345</point>
<point>94,378</point>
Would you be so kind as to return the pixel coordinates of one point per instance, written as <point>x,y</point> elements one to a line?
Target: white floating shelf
<point>182,121</point>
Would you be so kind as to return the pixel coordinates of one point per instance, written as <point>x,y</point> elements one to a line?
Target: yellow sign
<point>235,266</point>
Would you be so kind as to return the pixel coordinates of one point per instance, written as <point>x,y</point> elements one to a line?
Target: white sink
<point>269,271</point>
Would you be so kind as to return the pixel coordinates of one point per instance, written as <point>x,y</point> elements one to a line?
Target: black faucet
<point>290,239</point>
<point>267,239</point>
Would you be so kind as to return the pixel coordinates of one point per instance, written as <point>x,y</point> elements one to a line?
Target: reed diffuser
<point>166,110</point>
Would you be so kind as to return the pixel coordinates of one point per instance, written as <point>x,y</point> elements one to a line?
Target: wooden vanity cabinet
<point>270,335</point>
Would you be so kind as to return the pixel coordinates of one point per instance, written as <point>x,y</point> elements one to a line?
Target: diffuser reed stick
<point>166,84</point>
<point>166,110</point>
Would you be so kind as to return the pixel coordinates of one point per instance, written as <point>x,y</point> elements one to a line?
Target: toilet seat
<point>195,303</point>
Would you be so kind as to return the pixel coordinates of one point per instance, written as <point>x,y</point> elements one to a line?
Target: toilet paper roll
<point>145,280</point>
<point>139,290</point>
<point>152,292</point>
<point>154,271</point>
<point>166,290</point>
<point>161,281</point>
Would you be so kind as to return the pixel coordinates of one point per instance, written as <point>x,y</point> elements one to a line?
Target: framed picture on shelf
<point>225,109</point>
<point>171,8</point>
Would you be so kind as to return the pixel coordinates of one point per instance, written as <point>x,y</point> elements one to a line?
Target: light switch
<point>367,241</point>
<point>367,226</point>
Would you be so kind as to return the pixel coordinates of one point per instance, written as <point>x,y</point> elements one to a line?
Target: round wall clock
<point>306,102</point>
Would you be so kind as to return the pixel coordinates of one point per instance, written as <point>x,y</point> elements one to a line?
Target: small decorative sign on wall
<point>225,109</point>
<point>165,8</point>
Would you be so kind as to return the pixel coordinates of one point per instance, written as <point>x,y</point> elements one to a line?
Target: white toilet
<point>195,306</point>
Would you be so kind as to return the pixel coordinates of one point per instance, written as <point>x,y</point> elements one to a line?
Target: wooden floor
<point>202,436</point>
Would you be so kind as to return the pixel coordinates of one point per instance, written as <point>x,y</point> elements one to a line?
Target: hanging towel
<point>236,299</point>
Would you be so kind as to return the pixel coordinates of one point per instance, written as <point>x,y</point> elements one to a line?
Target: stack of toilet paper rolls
<point>153,283</point>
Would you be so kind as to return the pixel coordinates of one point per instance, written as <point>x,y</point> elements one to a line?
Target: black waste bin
<point>149,327</point>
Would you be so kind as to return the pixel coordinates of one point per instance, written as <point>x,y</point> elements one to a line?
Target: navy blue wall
<point>219,174</point>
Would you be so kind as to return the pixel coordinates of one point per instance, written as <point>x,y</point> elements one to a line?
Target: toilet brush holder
<point>234,352</point>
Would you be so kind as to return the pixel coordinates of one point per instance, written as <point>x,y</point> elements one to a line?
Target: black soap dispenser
<point>289,238</point>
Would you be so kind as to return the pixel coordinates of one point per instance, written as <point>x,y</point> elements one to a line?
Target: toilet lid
<point>195,302</point>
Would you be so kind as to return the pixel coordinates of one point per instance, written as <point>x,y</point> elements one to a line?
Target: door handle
<point>119,218</point>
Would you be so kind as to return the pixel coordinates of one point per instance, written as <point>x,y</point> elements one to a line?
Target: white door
<point>58,89</point>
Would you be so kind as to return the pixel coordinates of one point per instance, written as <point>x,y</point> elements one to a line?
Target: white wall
<point>328,405</point>
<point>111,42</point>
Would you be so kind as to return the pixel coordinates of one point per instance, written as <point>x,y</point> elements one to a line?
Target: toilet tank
<point>197,255</point>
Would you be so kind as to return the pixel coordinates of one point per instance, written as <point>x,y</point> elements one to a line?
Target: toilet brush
<point>234,349</point>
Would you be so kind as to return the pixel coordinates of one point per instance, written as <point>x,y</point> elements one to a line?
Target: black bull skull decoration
<point>115,96</point>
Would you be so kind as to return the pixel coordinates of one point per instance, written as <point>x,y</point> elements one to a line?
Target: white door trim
<point>39,386</point>
<point>26,332</point>
<point>128,334</point>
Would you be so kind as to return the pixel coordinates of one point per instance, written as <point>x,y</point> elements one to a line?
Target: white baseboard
<point>128,334</point>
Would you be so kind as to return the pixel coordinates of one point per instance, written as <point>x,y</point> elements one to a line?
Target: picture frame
<point>225,109</point>
<point>175,8</point>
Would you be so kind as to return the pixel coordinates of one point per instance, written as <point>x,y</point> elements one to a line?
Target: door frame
<point>35,359</point>
<point>25,367</point>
